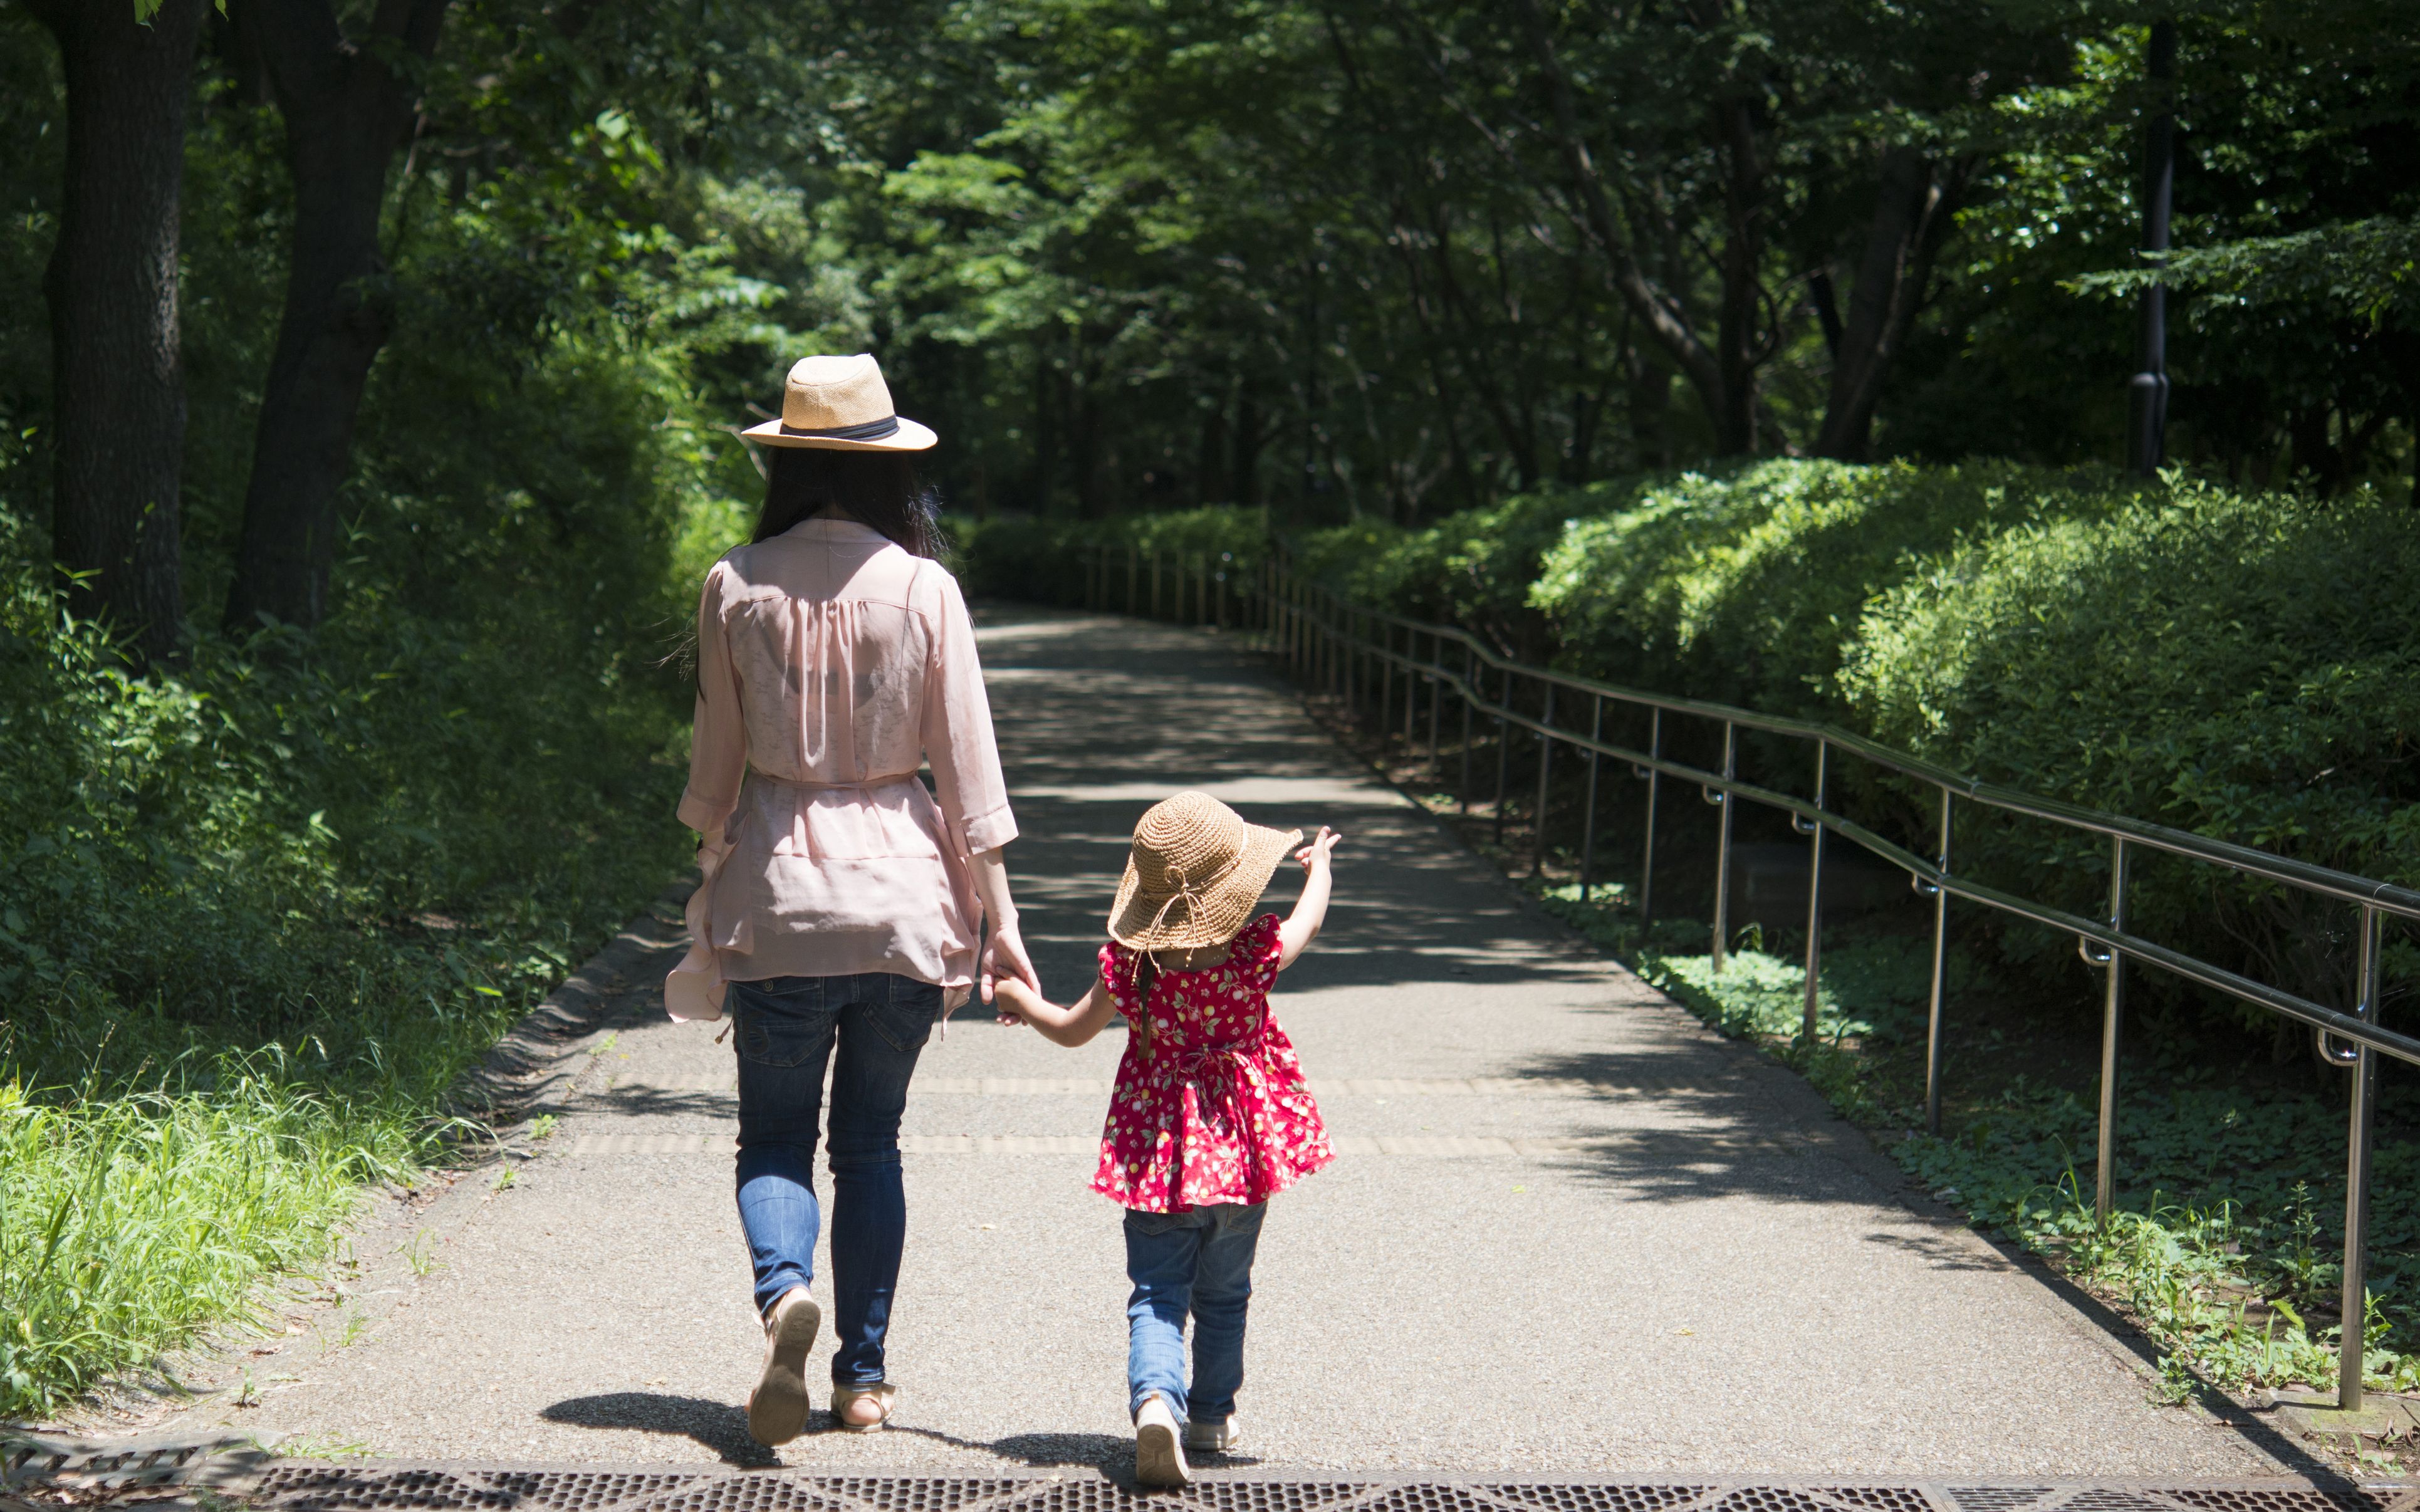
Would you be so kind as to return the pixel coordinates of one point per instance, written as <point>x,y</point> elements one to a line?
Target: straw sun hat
<point>1195,872</point>
<point>840,404</point>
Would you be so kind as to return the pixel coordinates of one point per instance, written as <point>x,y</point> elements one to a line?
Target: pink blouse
<point>831,664</point>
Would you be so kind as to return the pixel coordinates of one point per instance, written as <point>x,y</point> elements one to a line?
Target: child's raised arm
<point>1071,1025</point>
<point>1311,911</point>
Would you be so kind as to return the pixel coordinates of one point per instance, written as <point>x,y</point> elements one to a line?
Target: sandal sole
<point>777,1409</point>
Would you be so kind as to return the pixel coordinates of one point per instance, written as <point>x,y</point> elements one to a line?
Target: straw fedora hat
<point>1194,874</point>
<point>840,404</point>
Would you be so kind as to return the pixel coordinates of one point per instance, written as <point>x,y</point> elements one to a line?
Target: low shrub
<point>2241,665</point>
<point>1040,559</point>
<point>2245,666</point>
<point>1748,586</point>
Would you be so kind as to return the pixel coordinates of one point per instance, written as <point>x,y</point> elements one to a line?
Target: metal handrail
<point>1327,637</point>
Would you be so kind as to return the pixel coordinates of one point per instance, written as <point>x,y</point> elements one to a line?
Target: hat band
<point>1183,886</point>
<point>871,430</point>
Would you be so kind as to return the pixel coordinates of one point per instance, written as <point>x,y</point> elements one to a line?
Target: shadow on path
<point>717,1426</point>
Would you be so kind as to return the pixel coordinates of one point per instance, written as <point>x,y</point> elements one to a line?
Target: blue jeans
<point>786,1030</point>
<point>1199,1262</point>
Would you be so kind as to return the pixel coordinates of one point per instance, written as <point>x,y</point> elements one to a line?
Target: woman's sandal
<point>884,1394</point>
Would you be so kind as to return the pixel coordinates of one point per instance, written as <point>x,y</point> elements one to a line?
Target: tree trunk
<point>1651,406</point>
<point>118,388</point>
<point>1736,340</point>
<point>345,114</point>
<point>1244,472</point>
<point>1657,309</point>
<point>1209,467</point>
<point>1911,206</point>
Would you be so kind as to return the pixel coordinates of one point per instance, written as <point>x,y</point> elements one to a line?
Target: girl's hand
<point>1014,1000</point>
<point>1314,856</point>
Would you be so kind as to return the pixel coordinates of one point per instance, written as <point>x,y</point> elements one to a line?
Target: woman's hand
<point>1004,957</point>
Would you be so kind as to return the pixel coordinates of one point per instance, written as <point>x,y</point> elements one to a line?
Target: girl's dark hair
<point>877,488</point>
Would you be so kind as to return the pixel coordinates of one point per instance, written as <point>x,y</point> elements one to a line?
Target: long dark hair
<point>876,488</point>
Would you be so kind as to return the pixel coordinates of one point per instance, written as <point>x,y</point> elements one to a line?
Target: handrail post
<point>2353,1343</point>
<point>1722,848</point>
<point>1503,751</point>
<point>1353,677</point>
<point>1811,1017</point>
<point>1588,825</point>
<point>1437,699</point>
<point>1654,790</point>
<point>1385,656</point>
<point>1940,976</point>
<point>2112,1016</point>
<point>1469,689</point>
<point>1545,758</point>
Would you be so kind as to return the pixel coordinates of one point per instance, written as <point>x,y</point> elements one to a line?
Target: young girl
<point>1210,1115</point>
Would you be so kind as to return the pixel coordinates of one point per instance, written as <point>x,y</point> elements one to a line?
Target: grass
<point>2225,1244</point>
<point>138,1218</point>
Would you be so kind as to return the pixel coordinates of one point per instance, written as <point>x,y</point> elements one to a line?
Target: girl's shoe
<point>777,1409</point>
<point>883,1394</point>
<point>1159,1446</point>
<point>1212,1436</point>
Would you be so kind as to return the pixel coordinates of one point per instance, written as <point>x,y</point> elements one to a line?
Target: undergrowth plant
<point>2225,1244</point>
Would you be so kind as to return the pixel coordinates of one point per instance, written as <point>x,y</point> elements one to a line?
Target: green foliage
<point>2369,270</point>
<point>258,913</point>
<point>1040,560</point>
<point>257,917</point>
<point>2251,677</point>
<point>2251,659</point>
<point>1747,586</point>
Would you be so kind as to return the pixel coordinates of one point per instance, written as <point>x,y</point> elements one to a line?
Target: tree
<point>348,105</point>
<point>118,390</point>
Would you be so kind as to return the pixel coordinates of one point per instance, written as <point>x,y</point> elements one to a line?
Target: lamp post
<point>2147,395</point>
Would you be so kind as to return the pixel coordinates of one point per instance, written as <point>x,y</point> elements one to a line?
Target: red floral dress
<point>1211,1106</point>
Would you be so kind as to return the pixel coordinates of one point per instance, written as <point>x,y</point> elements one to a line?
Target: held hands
<point>1014,1000</point>
<point>1004,959</point>
<point>1314,856</point>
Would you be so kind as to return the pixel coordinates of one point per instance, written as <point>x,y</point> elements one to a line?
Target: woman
<point>834,658</point>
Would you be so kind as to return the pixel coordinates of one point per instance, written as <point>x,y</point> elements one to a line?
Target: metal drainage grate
<point>123,1464</point>
<point>347,1488</point>
<point>297,1488</point>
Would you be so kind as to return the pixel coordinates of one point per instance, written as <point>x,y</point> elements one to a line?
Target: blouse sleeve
<point>957,730</point>
<point>718,747</point>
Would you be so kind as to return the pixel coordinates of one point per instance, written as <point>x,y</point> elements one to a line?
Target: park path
<point>1570,1230</point>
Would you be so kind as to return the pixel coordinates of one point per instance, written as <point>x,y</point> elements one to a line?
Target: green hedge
<point>1040,560</point>
<point>2242,666</point>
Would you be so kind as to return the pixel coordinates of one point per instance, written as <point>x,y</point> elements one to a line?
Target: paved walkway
<point>1570,1232</point>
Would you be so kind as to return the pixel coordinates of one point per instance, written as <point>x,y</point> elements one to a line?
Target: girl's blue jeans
<point>786,1028</point>
<point>1199,1262</point>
